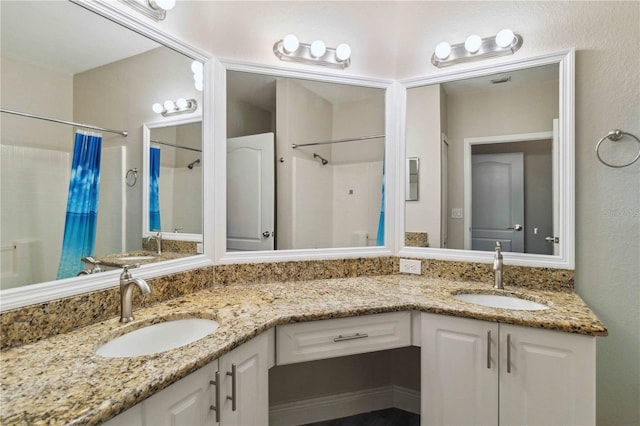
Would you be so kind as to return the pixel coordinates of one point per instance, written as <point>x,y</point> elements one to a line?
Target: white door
<point>459,376</point>
<point>546,377</point>
<point>497,201</point>
<point>250,192</point>
<point>555,158</point>
<point>444,202</point>
<point>245,397</point>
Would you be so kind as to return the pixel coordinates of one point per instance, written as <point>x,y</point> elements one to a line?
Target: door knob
<point>552,240</point>
<point>266,234</point>
<point>516,227</point>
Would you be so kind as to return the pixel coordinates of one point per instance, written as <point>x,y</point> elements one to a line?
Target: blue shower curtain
<point>82,204</point>
<point>154,184</point>
<point>380,237</point>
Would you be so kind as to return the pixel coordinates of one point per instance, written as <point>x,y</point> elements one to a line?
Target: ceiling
<point>45,33</point>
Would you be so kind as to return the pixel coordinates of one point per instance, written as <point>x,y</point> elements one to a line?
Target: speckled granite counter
<point>142,257</point>
<point>60,380</point>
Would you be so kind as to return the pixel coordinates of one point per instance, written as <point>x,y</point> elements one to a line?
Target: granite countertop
<point>61,380</point>
<point>139,256</point>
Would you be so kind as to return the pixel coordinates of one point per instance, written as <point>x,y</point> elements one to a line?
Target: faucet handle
<point>498,246</point>
<point>125,270</point>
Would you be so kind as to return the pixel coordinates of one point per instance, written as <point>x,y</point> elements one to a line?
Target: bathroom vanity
<point>551,351</point>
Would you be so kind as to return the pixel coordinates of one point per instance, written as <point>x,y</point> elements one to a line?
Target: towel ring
<point>616,135</point>
<point>132,172</point>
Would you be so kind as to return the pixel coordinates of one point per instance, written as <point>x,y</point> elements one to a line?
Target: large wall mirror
<point>305,159</point>
<point>496,152</point>
<point>74,63</point>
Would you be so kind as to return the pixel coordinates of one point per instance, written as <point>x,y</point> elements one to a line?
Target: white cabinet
<point>477,372</point>
<point>237,383</point>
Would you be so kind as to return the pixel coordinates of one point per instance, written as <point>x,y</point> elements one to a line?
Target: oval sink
<point>158,338</point>
<point>503,302</point>
<point>127,258</point>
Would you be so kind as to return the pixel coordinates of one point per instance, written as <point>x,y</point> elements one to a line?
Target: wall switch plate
<point>199,248</point>
<point>456,213</point>
<point>411,266</point>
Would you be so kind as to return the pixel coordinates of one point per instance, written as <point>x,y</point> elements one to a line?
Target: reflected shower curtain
<point>380,237</point>
<point>82,204</point>
<point>154,188</point>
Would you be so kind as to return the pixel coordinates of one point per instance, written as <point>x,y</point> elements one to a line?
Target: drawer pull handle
<point>342,338</point>
<point>215,408</point>
<point>489,349</point>
<point>509,353</point>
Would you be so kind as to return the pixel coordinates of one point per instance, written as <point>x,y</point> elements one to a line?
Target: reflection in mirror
<point>411,182</point>
<point>173,184</point>
<point>56,68</point>
<point>491,151</point>
<point>325,192</point>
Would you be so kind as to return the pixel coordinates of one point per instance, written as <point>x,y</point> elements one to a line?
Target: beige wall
<point>423,139</point>
<point>500,111</point>
<point>357,119</point>
<point>244,119</point>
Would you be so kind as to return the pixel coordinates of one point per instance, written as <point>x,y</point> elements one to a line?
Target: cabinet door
<point>251,390</point>
<point>546,377</point>
<point>186,402</point>
<point>459,371</point>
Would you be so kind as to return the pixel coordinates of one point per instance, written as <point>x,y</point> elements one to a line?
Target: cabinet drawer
<point>344,336</point>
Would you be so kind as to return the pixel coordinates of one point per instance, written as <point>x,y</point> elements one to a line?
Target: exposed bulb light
<point>443,50</point>
<point>169,105</point>
<point>506,42</point>
<point>162,4</point>
<point>181,103</point>
<point>316,53</point>
<point>343,52</point>
<point>505,37</point>
<point>197,67</point>
<point>180,106</point>
<point>199,85</point>
<point>290,43</point>
<point>318,49</point>
<point>157,108</point>
<point>472,43</point>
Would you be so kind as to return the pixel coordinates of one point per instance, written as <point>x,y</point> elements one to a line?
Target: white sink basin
<point>503,302</point>
<point>158,338</point>
<point>127,258</point>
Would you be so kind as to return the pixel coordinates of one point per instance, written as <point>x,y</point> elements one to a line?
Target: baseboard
<point>343,405</point>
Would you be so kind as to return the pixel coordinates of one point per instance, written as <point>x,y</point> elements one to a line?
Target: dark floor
<point>388,417</point>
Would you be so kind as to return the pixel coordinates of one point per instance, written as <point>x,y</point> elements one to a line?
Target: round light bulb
<point>181,103</point>
<point>443,50</point>
<point>199,85</point>
<point>472,43</point>
<point>505,37</point>
<point>343,52</point>
<point>318,49</point>
<point>197,67</point>
<point>157,108</point>
<point>290,43</point>
<point>169,106</point>
<point>165,4</point>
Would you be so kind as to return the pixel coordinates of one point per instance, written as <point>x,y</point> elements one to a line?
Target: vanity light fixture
<point>316,53</point>
<point>506,42</point>
<point>154,9</point>
<point>198,75</point>
<point>180,106</point>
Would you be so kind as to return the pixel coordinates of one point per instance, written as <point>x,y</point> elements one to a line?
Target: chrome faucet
<point>95,266</point>
<point>126,291</point>
<point>158,238</point>
<point>497,267</point>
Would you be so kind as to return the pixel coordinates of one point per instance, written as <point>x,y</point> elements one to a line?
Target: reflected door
<point>497,201</point>
<point>250,192</point>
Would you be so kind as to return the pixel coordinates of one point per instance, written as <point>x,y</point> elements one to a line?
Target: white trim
<point>51,290</point>
<point>344,405</point>
<point>220,147</point>
<point>468,144</point>
<point>566,257</point>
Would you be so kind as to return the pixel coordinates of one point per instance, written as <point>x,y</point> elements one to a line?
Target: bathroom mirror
<point>304,159</point>
<point>412,179</point>
<point>87,63</point>
<point>497,150</point>
<point>172,183</point>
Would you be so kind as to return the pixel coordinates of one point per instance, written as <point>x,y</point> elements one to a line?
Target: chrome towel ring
<point>614,136</point>
<point>132,177</point>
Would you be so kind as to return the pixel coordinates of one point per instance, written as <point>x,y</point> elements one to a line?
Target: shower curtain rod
<point>70,123</point>
<point>175,146</point>
<point>294,146</point>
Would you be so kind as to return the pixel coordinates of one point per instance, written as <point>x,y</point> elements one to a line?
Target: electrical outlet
<point>199,248</point>
<point>410,266</point>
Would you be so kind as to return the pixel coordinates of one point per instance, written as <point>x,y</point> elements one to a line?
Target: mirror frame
<point>392,131</point>
<point>566,159</point>
<point>146,143</point>
<point>52,290</point>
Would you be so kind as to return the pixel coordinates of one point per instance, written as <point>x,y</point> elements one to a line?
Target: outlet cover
<point>456,213</point>
<point>410,266</point>
<point>199,248</point>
